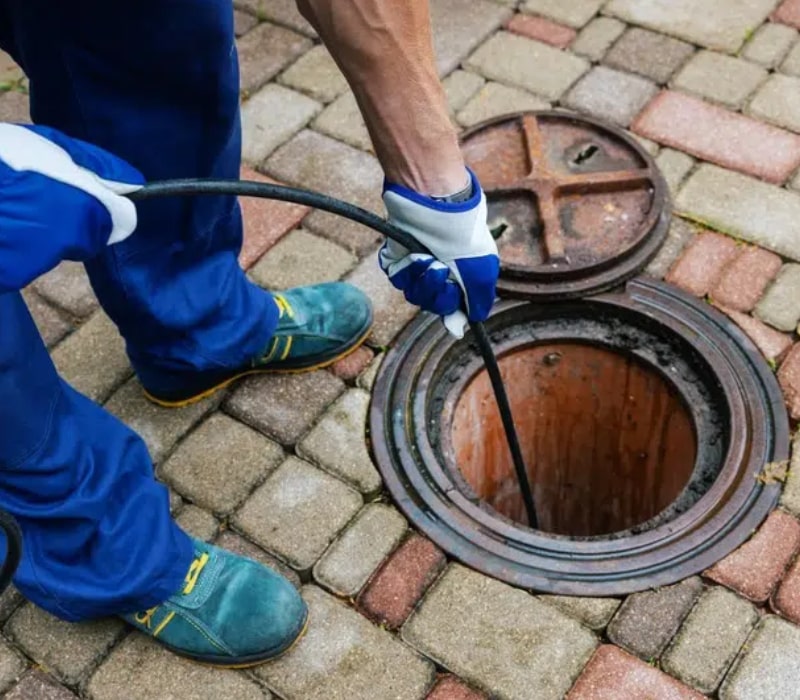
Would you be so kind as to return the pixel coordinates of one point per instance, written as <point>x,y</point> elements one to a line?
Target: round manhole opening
<point>645,417</point>
<point>608,441</point>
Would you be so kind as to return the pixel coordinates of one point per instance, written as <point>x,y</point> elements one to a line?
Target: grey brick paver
<point>284,406</point>
<point>52,324</point>
<point>650,54</point>
<point>680,235</point>
<point>778,101</point>
<point>596,38</point>
<point>15,107</point>
<point>770,44</point>
<point>355,556</point>
<point>93,358</point>
<point>342,120</point>
<point>592,612</point>
<point>460,86</point>
<point>647,621</point>
<point>498,638</point>
<point>302,258</point>
<point>716,24</point>
<point>140,669</point>
<point>338,443</point>
<point>495,99</point>
<point>674,166</point>
<point>720,78</point>
<point>297,512</point>
<point>461,25</point>
<point>243,22</point>
<point>366,379</point>
<point>345,657</point>
<point>283,12</point>
<point>390,310</point>
<point>790,498</point>
<point>11,667</point>
<point>262,133</point>
<point>265,51</point>
<point>610,94</point>
<point>68,650</point>
<point>10,600</point>
<point>35,685</point>
<point>507,58</point>
<point>198,522</point>
<point>575,13</point>
<point>780,305</point>
<point>768,667</point>
<point>160,428</point>
<point>220,463</point>
<point>320,163</point>
<point>316,74</point>
<point>791,64</point>
<point>744,207</point>
<point>710,639</point>
<point>67,286</point>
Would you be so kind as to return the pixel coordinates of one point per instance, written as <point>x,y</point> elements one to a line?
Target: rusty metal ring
<point>426,369</point>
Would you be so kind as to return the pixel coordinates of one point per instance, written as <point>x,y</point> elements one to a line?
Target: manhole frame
<point>687,545</point>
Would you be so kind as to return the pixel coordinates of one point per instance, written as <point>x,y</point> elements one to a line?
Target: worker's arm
<point>60,199</point>
<point>385,50</point>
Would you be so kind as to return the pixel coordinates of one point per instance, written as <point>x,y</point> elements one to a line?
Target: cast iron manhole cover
<point>579,205</point>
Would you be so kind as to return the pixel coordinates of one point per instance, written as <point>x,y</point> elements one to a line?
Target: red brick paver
<point>351,366</point>
<point>394,591</point>
<point>743,282</point>
<point>702,263</point>
<point>788,12</point>
<point>772,344</point>
<point>612,674</point>
<point>451,688</point>
<point>720,136</point>
<point>786,600</point>
<point>789,379</point>
<point>755,568</point>
<point>265,221</point>
<point>542,29</point>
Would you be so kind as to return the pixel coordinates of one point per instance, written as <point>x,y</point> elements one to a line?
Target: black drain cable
<point>317,200</point>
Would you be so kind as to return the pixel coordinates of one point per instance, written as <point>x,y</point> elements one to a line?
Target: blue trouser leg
<point>98,538</point>
<point>156,82</point>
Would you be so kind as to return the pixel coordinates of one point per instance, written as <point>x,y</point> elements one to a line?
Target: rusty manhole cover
<point>579,205</point>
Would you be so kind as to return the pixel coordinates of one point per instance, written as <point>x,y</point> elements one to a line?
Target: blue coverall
<point>156,83</point>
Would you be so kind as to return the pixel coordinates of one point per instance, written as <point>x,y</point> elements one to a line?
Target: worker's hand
<point>60,198</point>
<point>462,274</point>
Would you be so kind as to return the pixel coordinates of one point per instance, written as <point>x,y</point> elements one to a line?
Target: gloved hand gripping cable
<point>317,200</point>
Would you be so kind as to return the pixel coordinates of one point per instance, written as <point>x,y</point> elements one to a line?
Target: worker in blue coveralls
<point>155,82</point>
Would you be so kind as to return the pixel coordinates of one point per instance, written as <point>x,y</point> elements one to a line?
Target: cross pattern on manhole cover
<point>575,200</point>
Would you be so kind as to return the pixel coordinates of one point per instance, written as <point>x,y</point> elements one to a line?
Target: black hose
<point>13,549</point>
<point>317,200</point>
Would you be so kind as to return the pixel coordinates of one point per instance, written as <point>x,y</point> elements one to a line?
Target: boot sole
<point>265,370</point>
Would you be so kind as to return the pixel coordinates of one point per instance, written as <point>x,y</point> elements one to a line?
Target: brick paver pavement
<point>713,89</point>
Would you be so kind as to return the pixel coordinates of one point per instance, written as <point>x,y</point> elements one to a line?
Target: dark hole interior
<point>608,443</point>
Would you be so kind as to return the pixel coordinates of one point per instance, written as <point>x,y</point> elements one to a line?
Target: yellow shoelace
<point>283,306</point>
<point>146,617</point>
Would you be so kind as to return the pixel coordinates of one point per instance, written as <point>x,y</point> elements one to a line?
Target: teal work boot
<point>231,612</point>
<point>318,325</point>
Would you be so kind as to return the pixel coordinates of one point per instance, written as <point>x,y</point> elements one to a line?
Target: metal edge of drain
<point>548,287</point>
<point>536,561</point>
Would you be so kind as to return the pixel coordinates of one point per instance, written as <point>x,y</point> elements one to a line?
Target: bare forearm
<point>385,50</point>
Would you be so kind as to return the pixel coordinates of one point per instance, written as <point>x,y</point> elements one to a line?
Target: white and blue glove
<point>461,275</point>
<point>60,199</point>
